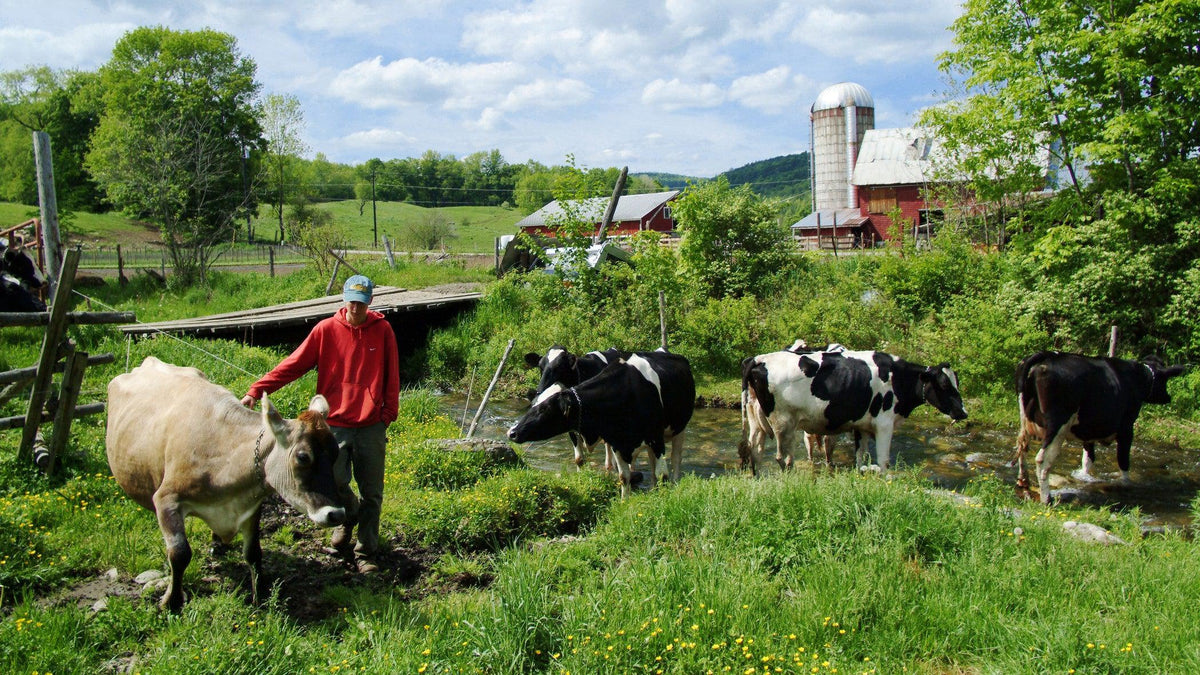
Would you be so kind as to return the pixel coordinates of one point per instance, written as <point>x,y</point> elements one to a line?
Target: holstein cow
<point>1085,399</point>
<point>561,367</point>
<point>20,281</point>
<point>647,398</point>
<point>182,446</point>
<point>751,407</point>
<point>831,392</point>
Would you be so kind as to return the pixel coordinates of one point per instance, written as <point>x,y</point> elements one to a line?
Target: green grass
<point>476,227</point>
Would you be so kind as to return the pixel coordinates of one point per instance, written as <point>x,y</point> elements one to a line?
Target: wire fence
<point>100,257</point>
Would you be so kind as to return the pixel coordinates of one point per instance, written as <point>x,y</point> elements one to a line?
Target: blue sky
<point>683,86</point>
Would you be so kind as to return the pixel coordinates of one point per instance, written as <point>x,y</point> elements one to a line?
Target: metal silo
<point>840,116</point>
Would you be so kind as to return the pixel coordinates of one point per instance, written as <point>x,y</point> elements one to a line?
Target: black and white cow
<point>1086,399</point>
<point>561,367</point>
<point>823,441</point>
<point>647,398</point>
<point>20,281</point>
<point>830,392</point>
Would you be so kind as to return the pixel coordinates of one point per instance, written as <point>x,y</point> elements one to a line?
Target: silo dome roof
<point>843,94</point>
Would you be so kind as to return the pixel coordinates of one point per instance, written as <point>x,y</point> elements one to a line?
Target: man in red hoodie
<point>358,372</point>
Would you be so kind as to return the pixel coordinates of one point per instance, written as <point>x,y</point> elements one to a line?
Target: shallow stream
<point>1165,478</point>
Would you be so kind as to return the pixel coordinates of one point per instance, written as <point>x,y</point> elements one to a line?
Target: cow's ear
<point>1173,371</point>
<point>572,360</point>
<point>319,405</point>
<point>274,421</point>
<point>532,360</point>
<point>809,366</point>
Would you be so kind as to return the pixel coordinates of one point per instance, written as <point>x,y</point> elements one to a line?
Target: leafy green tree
<point>57,103</point>
<point>282,121</point>
<point>315,233</point>
<point>1111,89</point>
<point>177,113</point>
<point>733,244</point>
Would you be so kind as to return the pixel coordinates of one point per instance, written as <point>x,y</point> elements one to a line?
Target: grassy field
<point>496,568</point>
<point>475,227</point>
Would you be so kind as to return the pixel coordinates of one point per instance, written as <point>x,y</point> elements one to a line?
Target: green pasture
<point>475,227</point>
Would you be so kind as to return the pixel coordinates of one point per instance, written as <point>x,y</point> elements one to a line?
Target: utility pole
<point>374,216</point>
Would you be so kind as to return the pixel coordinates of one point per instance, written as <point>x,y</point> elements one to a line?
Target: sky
<point>694,87</point>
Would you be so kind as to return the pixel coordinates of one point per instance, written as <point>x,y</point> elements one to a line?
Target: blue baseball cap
<point>358,289</point>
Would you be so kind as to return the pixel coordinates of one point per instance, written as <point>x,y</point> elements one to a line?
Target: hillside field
<point>476,227</point>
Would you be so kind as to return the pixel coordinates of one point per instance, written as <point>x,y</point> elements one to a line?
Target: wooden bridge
<point>412,313</point>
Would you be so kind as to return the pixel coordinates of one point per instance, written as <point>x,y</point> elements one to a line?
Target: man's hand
<point>249,401</point>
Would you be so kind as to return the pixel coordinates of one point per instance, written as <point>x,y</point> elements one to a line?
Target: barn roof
<point>826,218</point>
<point>629,208</point>
<point>902,156</point>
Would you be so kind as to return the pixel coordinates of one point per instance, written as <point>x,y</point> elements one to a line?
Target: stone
<point>149,576</point>
<point>1092,534</point>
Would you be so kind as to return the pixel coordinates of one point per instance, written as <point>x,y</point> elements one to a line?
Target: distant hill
<point>671,181</point>
<point>782,177</point>
<point>785,178</point>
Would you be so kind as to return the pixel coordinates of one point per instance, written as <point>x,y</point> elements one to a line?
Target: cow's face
<point>300,468</point>
<point>18,263</point>
<point>549,416</point>
<point>941,391</point>
<point>558,365</point>
<point>1160,374</point>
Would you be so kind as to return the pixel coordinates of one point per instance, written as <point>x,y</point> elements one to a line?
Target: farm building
<point>861,176</point>
<point>634,213</point>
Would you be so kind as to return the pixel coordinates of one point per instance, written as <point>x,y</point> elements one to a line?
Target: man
<point>354,352</point>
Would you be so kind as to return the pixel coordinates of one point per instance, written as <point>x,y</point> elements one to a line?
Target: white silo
<point>840,116</point>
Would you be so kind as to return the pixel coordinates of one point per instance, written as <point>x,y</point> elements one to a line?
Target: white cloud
<point>85,46</point>
<point>773,91</point>
<point>375,138</point>
<point>433,81</point>
<point>675,95</point>
<point>904,31</point>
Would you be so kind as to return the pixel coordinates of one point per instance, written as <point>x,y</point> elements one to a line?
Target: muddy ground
<point>299,573</point>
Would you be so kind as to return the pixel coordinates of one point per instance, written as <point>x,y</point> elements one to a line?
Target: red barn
<point>892,170</point>
<point>634,213</point>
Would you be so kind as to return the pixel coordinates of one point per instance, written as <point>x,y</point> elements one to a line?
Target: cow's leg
<point>652,460</point>
<point>1124,445</point>
<point>656,451</point>
<point>610,463</point>
<point>179,553</point>
<point>577,443</point>
<point>862,454</point>
<point>883,447</point>
<point>626,476</point>
<point>252,550</point>
<point>1055,435</point>
<point>827,444</point>
<point>809,441</point>
<point>676,456</point>
<point>784,438</point>
<point>1022,450</point>
<point>1087,460</point>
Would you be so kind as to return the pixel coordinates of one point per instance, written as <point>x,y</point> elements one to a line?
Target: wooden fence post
<point>45,371</point>
<point>271,258</point>
<point>1112,342</point>
<point>488,394</point>
<point>387,250</point>
<point>51,256</point>
<point>71,383</point>
<point>121,267</point>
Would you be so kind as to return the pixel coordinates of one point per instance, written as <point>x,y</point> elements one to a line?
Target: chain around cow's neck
<point>259,469</point>
<point>579,417</point>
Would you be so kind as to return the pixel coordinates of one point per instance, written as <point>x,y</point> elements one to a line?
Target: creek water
<point>1165,477</point>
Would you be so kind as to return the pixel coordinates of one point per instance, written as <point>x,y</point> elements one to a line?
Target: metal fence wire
<point>157,256</point>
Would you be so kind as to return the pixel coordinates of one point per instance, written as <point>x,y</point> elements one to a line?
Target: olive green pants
<point>361,454</point>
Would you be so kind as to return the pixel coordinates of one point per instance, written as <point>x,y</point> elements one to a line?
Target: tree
<point>282,123</point>
<point>1111,90</point>
<point>733,244</point>
<point>317,236</point>
<point>177,113</point>
<point>59,104</point>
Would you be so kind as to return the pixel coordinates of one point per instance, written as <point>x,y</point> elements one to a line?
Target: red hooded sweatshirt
<point>358,369</point>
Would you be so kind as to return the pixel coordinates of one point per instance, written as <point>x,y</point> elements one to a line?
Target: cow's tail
<point>743,447</point>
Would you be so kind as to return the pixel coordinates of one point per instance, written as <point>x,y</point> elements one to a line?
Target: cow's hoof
<point>1083,476</point>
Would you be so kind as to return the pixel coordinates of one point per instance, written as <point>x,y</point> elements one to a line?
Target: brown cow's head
<point>300,468</point>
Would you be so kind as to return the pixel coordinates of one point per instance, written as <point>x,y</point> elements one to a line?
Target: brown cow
<point>182,446</point>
